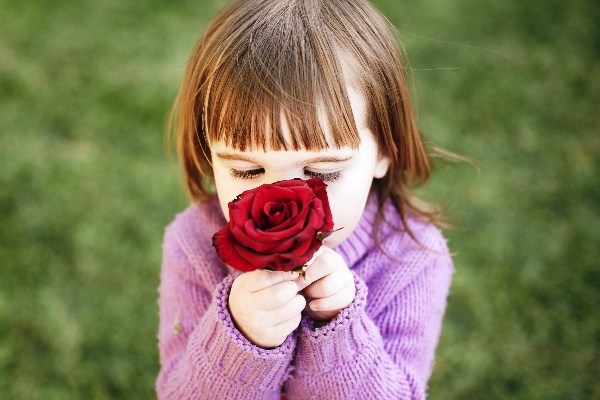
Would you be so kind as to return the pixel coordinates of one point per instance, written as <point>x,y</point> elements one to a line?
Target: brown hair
<point>261,59</point>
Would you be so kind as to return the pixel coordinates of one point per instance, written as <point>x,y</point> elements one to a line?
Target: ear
<point>381,168</point>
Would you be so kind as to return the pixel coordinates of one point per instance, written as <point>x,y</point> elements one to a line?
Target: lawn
<point>87,187</point>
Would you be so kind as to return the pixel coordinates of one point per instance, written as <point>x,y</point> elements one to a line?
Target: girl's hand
<point>266,306</point>
<point>328,285</point>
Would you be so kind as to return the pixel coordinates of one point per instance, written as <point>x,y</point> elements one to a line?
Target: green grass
<point>86,189</point>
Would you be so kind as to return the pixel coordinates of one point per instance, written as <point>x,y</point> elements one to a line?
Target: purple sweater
<point>380,347</point>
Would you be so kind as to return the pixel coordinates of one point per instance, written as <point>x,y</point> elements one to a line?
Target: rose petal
<point>239,209</point>
<point>302,254</point>
<point>291,244</point>
<point>280,261</point>
<point>276,233</point>
<point>291,183</point>
<point>286,265</point>
<point>305,245</point>
<point>300,248</point>
<point>275,212</point>
<point>315,218</point>
<point>259,246</point>
<point>296,213</point>
<point>259,260</point>
<point>223,241</point>
<point>298,195</point>
<point>316,184</point>
<point>320,190</point>
<point>291,210</point>
<point>270,194</point>
<point>284,262</point>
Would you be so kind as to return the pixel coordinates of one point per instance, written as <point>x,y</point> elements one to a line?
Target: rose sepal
<point>324,235</point>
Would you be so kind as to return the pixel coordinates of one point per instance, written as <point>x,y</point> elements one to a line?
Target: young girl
<point>276,90</point>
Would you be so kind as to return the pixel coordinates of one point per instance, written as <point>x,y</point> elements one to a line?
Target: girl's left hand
<point>328,285</point>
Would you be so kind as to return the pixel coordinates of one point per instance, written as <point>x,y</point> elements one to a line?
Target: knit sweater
<point>379,347</point>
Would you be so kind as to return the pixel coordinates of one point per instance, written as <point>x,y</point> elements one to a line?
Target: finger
<point>278,334</point>
<point>329,285</point>
<point>288,326</point>
<point>322,266</point>
<point>260,279</point>
<point>275,296</point>
<point>338,301</point>
<point>315,256</point>
<point>288,311</point>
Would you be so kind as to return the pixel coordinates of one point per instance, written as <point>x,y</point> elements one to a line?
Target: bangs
<point>279,68</point>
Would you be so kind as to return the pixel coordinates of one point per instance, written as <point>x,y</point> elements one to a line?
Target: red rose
<point>275,226</point>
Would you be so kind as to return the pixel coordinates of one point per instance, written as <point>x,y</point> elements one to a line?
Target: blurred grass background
<point>86,189</point>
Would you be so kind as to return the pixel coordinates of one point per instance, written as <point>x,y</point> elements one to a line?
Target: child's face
<point>348,172</point>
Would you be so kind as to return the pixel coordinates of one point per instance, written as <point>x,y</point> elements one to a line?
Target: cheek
<point>227,190</point>
<point>225,209</point>
<point>347,216</point>
<point>224,204</point>
<point>347,204</point>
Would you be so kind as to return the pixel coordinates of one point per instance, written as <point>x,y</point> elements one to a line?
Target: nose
<point>282,175</point>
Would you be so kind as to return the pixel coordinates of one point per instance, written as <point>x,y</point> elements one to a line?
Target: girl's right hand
<point>265,306</point>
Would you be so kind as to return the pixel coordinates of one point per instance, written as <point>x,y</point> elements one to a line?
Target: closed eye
<point>325,176</point>
<point>246,174</point>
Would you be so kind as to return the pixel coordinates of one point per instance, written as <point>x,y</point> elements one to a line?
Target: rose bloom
<point>275,226</point>
<point>348,172</point>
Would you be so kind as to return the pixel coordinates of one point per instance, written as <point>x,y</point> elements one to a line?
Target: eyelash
<point>253,173</point>
<point>327,177</point>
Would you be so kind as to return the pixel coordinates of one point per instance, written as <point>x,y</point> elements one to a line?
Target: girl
<point>277,90</point>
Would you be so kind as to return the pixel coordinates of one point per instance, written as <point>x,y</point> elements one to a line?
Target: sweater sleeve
<point>202,354</point>
<point>388,356</point>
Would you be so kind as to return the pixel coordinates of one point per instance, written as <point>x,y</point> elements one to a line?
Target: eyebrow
<point>321,159</point>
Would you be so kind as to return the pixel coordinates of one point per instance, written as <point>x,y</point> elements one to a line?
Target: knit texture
<point>379,347</point>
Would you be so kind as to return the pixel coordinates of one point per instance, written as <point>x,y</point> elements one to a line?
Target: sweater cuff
<point>220,345</point>
<point>337,343</point>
